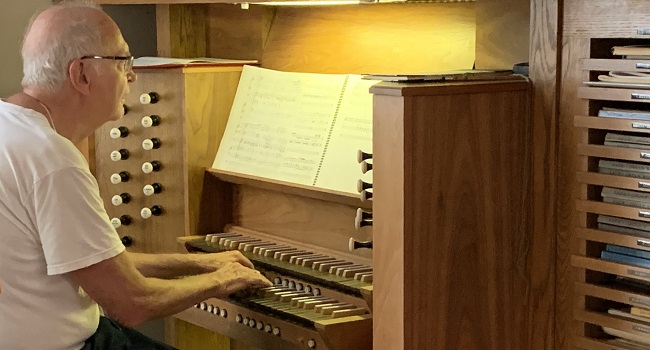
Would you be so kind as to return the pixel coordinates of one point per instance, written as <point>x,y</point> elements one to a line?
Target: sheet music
<point>279,123</point>
<point>352,131</point>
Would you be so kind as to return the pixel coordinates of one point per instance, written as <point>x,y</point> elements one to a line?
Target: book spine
<point>640,311</point>
<point>617,172</point>
<point>628,251</point>
<point>611,136</point>
<point>625,194</point>
<point>623,165</point>
<point>627,203</point>
<point>616,221</point>
<point>626,145</point>
<point>624,259</point>
<point>625,115</point>
<point>623,230</point>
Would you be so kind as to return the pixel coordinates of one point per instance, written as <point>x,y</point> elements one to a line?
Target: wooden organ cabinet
<point>150,163</point>
<point>451,222</point>
<point>603,172</point>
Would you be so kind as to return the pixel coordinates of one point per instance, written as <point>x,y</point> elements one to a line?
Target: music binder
<point>302,128</point>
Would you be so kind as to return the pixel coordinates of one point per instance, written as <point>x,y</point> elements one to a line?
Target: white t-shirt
<point>52,221</point>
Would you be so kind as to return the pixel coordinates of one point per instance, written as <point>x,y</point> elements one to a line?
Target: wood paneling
<point>384,38</point>
<point>201,338</point>
<point>181,30</point>
<point>544,74</point>
<point>235,33</point>
<point>502,33</point>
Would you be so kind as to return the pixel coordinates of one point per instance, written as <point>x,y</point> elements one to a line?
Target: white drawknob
<point>145,213</point>
<point>148,98</point>
<point>116,222</point>
<point>116,155</point>
<point>116,179</point>
<point>148,190</point>
<point>117,200</point>
<point>147,167</point>
<point>147,145</point>
<point>115,133</point>
<point>147,122</point>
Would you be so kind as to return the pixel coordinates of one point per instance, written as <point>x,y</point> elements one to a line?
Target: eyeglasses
<point>125,61</point>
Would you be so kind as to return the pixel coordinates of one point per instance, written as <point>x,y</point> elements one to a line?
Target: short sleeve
<point>73,226</point>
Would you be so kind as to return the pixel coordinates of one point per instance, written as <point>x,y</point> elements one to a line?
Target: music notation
<point>302,128</point>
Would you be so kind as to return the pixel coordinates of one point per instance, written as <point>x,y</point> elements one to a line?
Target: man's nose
<point>131,77</point>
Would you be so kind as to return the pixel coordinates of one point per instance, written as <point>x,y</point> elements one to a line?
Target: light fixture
<point>340,2</point>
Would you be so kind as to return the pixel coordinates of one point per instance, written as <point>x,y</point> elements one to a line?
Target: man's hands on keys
<point>233,277</point>
<point>215,261</point>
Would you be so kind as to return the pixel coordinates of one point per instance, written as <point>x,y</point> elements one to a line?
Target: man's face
<point>113,83</point>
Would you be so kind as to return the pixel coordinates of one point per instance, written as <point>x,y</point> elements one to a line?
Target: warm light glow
<point>308,2</point>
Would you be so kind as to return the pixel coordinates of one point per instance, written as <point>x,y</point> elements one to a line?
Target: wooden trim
<point>291,188</point>
<point>634,125</point>
<point>545,52</point>
<point>510,83</point>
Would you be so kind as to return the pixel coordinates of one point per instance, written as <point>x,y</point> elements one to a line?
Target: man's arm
<point>131,298</point>
<point>175,265</point>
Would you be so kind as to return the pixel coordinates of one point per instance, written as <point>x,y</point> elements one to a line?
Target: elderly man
<point>60,257</point>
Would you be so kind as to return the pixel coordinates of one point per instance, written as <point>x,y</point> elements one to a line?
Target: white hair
<point>46,65</point>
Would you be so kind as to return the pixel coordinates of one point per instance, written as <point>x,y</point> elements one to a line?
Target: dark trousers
<point>112,336</point>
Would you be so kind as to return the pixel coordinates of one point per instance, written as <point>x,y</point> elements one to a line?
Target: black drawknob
<point>155,165</point>
<point>156,210</point>
<point>127,241</point>
<point>124,176</point>
<point>157,188</point>
<point>125,197</point>
<point>125,220</point>
<point>155,120</point>
<point>362,185</point>
<point>361,156</point>
<point>354,244</point>
<point>155,143</point>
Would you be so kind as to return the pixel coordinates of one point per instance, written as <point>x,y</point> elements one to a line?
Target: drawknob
<point>122,220</point>
<point>363,218</point>
<point>149,98</point>
<point>120,132</point>
<point>366,167</point>
<point>127,241</point>
<point>366,195</point>
<point>122,154</point>
<point>361,156</point>
<point>354,244</point>
<point>122,176</point>
<point>362,185</point>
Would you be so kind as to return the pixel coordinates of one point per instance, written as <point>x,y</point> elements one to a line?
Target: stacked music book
<point>637,228</point>
<point>634,78</point>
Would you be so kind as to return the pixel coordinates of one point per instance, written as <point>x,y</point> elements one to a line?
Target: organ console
<point>376,270</point>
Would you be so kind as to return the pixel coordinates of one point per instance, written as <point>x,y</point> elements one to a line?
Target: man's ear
<point>78,72</point>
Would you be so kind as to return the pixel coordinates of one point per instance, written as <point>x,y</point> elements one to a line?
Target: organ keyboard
<point>322,295</point>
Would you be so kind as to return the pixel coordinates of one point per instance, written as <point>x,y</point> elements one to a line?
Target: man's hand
<point>216,261</point>
<point>233,277</point>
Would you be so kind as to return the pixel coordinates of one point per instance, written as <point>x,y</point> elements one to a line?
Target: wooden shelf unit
<point>596,285</point>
